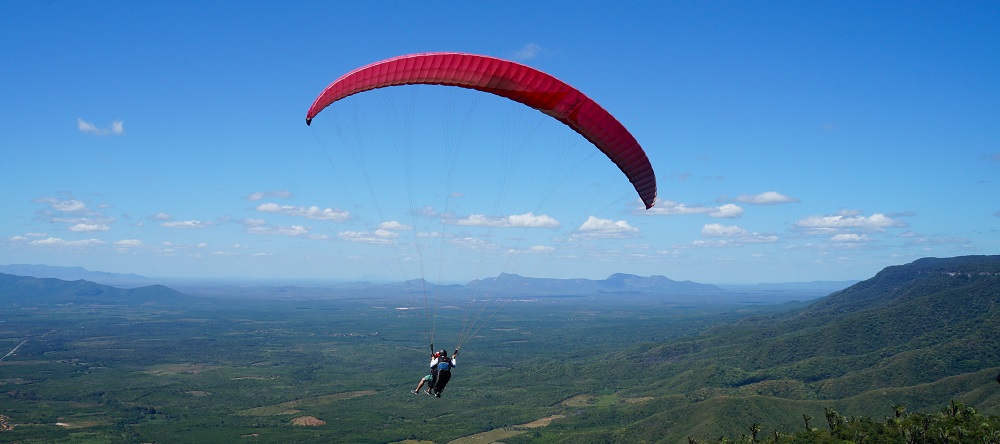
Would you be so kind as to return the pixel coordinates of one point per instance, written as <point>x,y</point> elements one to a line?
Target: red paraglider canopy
<point>514,81</point>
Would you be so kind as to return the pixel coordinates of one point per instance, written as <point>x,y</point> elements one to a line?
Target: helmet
<point>443,353</point>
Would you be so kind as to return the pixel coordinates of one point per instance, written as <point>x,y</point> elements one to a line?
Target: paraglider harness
<point>444,364</point>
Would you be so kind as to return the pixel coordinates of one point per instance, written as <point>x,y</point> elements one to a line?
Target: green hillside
<point>918,335</point>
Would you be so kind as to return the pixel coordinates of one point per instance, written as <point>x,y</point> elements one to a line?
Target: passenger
<point>429,379</point>
<point>423,380</point>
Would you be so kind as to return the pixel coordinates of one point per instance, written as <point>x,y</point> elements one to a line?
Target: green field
<point>220,371</point>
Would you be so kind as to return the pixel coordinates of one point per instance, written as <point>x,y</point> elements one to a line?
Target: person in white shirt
<point>429,378</point>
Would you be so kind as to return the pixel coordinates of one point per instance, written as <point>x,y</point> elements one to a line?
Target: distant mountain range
<point>616,283</point>
<point>506,284</point>
<point>76,273</point>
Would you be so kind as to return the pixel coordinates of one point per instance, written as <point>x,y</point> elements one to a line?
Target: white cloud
<point>670,208</point>
<point>379,237</point>
<point>270,194</point>
<point>65,206</point>
<point>758,238</point>
<point>294,230</point>
<point>97,219</point>
<point>765,198</point>
<point>186,224</point>
<point>528,52</point>
<point>527,220</point>
<point>848,220</point>
<point>312,212</point>
<point>129,243</point>
<point>74,213</point>
<point>28,235</point>
<point>928,241</point>
<point>713,243</point>
<point>427,212</point>
<point>117,128</point>
<point>532,249</point>
<point>595,228</point>
<point>727,211</point>
<point>86,127</point>
<point>57,242</point>
<point>850,238</point>
<point>733,235</point>
<point>474,220</point>
<point>394,226</point>
<point>89,228</point>
<point>474,243</point>
<point>719,230</point>
<point>159,216</point>
<point>259,226</point>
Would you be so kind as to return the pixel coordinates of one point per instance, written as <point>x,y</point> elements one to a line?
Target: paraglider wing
<point>514,81</point>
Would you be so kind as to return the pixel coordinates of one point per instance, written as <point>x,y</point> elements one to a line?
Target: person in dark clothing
<point>441,370</point>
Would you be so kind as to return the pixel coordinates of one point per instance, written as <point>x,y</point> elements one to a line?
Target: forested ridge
<point>918,335</point>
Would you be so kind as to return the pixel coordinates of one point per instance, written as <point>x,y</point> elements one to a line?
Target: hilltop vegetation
<point>918,335</point>
<point>956,423</point>
<point>155,366</point>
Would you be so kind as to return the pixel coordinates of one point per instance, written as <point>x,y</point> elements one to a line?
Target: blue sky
<point>792,141</point>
